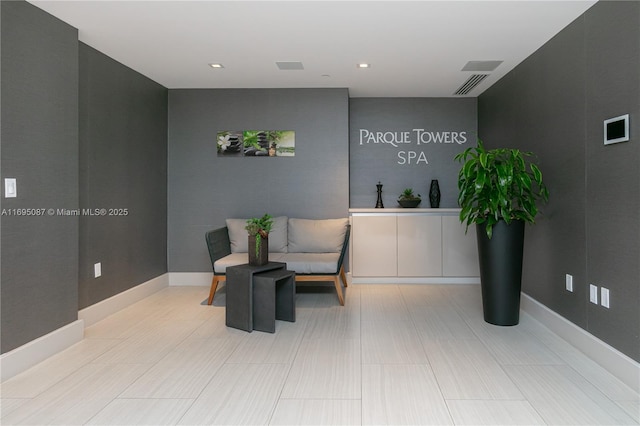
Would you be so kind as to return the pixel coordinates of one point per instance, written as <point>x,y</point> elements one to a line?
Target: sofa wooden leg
<point>343,276</point>
<point>214,286</point>
<point>336,281</point>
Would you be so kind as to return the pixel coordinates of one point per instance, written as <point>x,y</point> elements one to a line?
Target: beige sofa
<point>313,248</point>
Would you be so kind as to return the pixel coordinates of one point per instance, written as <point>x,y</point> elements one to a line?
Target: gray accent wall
<point>405,143</point>
<point>554,104</point>
<point>205,189</point>
<point>39,103</point>
<point>123,170</point>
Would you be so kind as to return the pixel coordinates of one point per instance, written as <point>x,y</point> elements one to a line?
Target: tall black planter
<point>501,271</point>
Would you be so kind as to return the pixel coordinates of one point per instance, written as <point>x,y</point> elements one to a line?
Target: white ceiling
<point>415,48</point>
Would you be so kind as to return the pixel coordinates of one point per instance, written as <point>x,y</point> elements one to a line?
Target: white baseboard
<point>203,279</point>
<point>612,360</point>
<point>198,279</point>
<point>99,311</point>
<point>416,280</point>
<point>26,356</point>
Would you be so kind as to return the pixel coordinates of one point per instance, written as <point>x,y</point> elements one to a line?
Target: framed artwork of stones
<point>256,143</point>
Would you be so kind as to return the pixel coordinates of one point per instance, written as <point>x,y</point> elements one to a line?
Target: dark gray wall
<point>409,159</point>
<point>39,289</point>
<point>123,169</point>
<point>205,189</point>
<point>554,104</point>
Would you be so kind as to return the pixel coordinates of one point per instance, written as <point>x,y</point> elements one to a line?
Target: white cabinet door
<point>374,246</point>
<point>419,246</point>
<point>460,250</point>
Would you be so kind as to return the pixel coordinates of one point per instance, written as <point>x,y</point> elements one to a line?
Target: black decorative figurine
<point>434,194</point>
<point>379,204</point>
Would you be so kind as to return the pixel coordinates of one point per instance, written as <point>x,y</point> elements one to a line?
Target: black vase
<point>258,256</point>
<point>501,271</point>
<point>434,194</point>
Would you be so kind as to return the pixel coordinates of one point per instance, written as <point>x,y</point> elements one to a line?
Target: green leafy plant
<point>260,228</point>
<point>408,194</point>
<point>498,184</point>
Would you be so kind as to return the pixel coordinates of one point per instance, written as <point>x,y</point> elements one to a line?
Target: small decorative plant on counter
<point>408,199</point>
<point>258,230</point>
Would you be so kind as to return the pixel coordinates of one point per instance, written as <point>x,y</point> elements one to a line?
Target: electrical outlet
<point>604,297</point>
<point>593,294</point>
<point>568,282</point>
<point>97,270</point>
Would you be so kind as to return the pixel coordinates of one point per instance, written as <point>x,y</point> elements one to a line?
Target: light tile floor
<point>394,354</point>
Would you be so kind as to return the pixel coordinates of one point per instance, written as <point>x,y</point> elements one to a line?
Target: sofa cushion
<point>239,240</point>
<point>309,263</point>
<point>316,236</point>
<point>301,263</point>
<point>220,266</point>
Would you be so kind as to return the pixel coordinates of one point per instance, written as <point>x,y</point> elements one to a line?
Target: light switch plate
<point>593,294</point>
<point>604,297</point>
<point>97,270</point>
<point>568,282</point>
<point>10,188</point>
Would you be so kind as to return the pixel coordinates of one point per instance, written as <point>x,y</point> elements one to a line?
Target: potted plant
<point>408,199</point>
<point>498,192</point>
<point>258,230</point>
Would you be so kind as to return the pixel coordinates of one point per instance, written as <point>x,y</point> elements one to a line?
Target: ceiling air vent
<point>295,65</point>
<point>470,84</point>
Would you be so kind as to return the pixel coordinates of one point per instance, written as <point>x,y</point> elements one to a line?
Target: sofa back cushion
<point>317,236</point>
<point>239,238</point>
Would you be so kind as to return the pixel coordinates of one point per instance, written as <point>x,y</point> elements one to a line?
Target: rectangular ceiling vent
<point>470,84</point>
<point>289,65</point>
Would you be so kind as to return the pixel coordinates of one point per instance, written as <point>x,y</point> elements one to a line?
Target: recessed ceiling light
<point>363,65</point>
<point>216,65</point>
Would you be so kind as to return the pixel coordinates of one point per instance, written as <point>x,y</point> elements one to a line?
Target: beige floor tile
<point>611,386</point>
<point>317,412</point>
<point>334,322</point>
<point>216,328</point>
<point>465,369</point>
<point>632,408</point>
<point>129,412</point>
<point>77,398</point>
<point>271,348</point>
<point>440,322</point>
<point>493,413</point>
<point>325,368</point>
<point>151,346</point>
<point>239,394</point>
<point>49,372</point>
<point>402,395</point>
<point>391,342</point>
<point>513,346</point>
<point>561,396</point>
<point>383,302</point>
<point>419,297</point>
<point>183,372</point>
<point>7,405</point>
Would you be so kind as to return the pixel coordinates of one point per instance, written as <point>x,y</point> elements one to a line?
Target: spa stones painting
<point>256,143</point>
